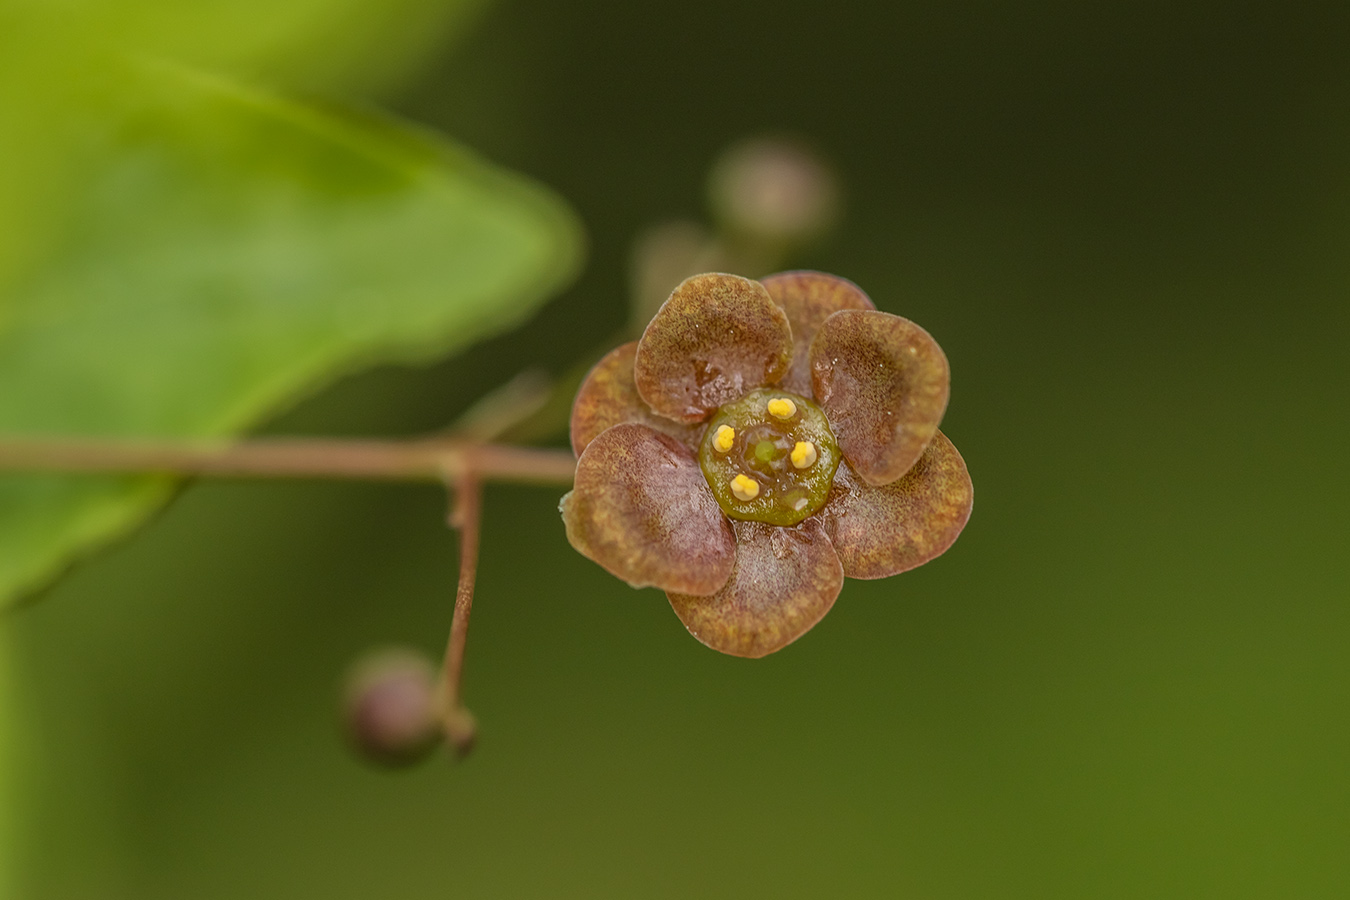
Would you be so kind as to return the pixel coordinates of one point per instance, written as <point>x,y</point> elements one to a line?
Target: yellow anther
<point>744,487</point>
<point>723,437</point>
<point>782,408</point>
<point>804,455</point>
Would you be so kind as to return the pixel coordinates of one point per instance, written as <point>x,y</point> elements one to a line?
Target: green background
<point>1128,225</point>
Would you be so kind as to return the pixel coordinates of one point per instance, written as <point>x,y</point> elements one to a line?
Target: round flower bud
<point>389,707</point>
<point>665,255</point>
<point>774,191</point>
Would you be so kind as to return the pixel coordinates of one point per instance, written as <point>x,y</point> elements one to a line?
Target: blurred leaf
<point>53,57</point>
<point>346,45</point>
<point>226,251</point>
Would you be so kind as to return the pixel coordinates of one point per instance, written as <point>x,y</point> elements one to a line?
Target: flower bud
<point>390,706</point>
<point>773,191</point>
<point>663,256</point>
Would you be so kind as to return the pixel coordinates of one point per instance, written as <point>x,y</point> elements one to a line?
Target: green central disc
<point>762,451</point>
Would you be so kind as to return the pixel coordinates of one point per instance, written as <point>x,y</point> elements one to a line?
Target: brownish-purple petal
<point>785,581</point>
<point>885,530</point>
<point>809,298</point>
<point>883,383</point>
<point>641,508</point>
<point>608,397</point>
<point>717,337</point>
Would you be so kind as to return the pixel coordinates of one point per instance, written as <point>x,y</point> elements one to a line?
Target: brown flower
<point>760,442</point>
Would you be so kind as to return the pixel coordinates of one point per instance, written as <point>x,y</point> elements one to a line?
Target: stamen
<point>763,468</point>
<point>804,455</point>
<point>744,488</point>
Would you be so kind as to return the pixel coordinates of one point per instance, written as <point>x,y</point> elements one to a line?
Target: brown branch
<point>459,724</point>
<point>440,460</point>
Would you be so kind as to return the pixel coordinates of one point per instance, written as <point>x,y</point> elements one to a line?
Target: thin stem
<point>440,459</point>
<point>460,728</point>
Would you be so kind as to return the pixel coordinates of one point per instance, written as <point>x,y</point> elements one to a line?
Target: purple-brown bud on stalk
<point>773,192</point>
<point>662,257</point>
<point>389,707</point>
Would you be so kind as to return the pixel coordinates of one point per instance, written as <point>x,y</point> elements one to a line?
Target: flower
<point>762,441</point>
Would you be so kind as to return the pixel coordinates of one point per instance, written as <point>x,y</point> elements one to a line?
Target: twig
<point>442,459</point>
<point>466,515</point>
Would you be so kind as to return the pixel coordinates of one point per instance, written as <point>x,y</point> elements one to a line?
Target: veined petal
<point>785,581</point>
<point>809,298</point>
<point>883,383</point>
<point>641,508</point>
<point>888,529</point>
<point>608,397</point>
<point>717,337</point>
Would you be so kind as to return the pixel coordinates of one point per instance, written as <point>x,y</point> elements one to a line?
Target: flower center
<point>769,457</point>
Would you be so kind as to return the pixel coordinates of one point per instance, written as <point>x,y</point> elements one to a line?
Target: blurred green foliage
<point>1127,225</point>
<point>54,60</point>
<point>218,251</point>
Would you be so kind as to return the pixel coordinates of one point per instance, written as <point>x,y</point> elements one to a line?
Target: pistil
<point>770,457</point>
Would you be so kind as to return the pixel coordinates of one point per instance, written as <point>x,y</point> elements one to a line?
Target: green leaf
<point>349,46</point>
<point>228,250</point>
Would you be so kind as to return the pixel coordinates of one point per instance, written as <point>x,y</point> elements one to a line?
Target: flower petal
<point>717,337</point>
<point>881,531</point>
<point>608,397</point>
<point>809,298</point>
<point>641,508</point>
<point>883,383</point>
<point>785,581</point>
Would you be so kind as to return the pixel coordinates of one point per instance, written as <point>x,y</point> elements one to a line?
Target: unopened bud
<point>773,190</point>
<point>665,255</point>
<point>390,706</point>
